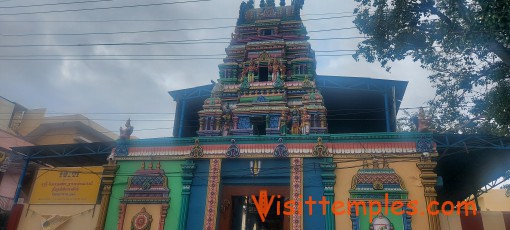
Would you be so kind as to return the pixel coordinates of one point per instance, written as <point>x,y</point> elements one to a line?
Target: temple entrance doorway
<point>238,210</point>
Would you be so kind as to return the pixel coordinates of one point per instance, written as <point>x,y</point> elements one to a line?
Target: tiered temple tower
<point>266,83</point>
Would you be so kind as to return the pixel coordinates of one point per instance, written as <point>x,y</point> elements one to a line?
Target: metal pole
<point>394,109</point>
<point>387,109</point>
<point>21,179</point>
<point>475,194</point>
<point>181,121</point>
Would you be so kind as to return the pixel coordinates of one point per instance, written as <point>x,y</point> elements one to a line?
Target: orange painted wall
<point>494,200</point>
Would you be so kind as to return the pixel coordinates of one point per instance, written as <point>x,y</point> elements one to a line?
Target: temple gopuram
<point>271,144</point>
<point>267,81</point>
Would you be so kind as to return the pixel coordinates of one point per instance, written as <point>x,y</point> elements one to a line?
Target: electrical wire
<point>150,31</point>
<point>54,4</point>
<point>117,32</point>
<point>174,42</point>
<point>103,8</point>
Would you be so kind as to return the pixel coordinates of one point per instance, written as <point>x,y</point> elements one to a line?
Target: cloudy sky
<point>71,35</point>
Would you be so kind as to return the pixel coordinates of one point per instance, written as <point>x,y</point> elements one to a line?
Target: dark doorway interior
<point>263,74</point>
<point>238,211</point>
<point>259,125</point>
<point>267,32</point>
<point>245,215</point>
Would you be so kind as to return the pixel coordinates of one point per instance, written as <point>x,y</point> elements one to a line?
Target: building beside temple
<point>271,125</point>
<point>29,141</point>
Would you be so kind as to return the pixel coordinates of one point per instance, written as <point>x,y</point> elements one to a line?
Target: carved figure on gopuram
<point>267,78</point>
<point>125,133</point>
<point>227,119</point>
<point>276,70</point>
<point>251,71</point>
<point>305,122</point>
<point>296,119</point>
<point>283,124</point>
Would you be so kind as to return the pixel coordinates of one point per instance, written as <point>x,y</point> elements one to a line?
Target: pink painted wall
<point>8,187</point>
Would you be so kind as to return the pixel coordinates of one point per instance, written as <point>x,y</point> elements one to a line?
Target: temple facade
<point>273,145</point>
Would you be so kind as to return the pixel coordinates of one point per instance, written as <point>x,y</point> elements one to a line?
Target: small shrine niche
<point>374,182</point>
<point>146,199</point>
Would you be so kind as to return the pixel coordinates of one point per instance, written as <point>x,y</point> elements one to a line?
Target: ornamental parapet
<point>341,145</point>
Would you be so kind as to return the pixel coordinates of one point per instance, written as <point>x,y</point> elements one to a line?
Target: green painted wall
<point>397,221</point>
<point>126,169</point>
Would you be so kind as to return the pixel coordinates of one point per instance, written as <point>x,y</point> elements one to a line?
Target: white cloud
<point>140,86</point>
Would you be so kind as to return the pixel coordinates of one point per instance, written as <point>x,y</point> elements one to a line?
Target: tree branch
<point>492,44</point>
<point>500,50</point>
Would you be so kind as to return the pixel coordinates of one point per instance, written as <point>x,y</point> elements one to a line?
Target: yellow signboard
<point>68,185</point>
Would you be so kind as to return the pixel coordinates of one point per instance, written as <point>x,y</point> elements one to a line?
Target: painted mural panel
<point>126,210</point>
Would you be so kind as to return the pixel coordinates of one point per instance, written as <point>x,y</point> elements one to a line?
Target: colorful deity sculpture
<point>305,122</point>
<point>283,124</point>
<point>296,119</point>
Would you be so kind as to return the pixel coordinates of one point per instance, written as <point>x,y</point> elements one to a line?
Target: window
<point>300,69</point>
<point>263,74</point>
<point>259,125</point>
<point>209,123</point>
<point>266,32</point>
<point>315,120</point>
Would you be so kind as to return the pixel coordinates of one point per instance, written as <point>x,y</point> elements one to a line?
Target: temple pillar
<point>217,123</point>
<point>202,122</point>
<point>107,178</point>
<point>188,169</point>
<point>235,120</point>
<point>428,180</point>
<point>213,190</point>
<point>328,181</point>
<point>323,121</point>
<point>296,192</point>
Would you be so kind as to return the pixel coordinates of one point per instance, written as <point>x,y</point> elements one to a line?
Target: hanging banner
<point>76,185</point>
<point>52,222</point>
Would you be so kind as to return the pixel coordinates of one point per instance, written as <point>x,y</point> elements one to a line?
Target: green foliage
<point>507,186</point>
<point>407,122</point>
<point>466,46</point>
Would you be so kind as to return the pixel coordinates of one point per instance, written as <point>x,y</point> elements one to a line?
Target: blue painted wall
<point>273,172</point>
<point>197,201</point>
<point>313,187</point>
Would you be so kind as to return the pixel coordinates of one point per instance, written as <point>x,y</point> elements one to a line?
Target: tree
<point>466,46</point>
<point>407,122</point>
<point>507,186</point>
